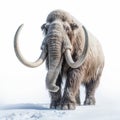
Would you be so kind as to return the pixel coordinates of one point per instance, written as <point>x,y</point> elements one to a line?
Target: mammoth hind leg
<point>90,91</point>
<point>56,96</point>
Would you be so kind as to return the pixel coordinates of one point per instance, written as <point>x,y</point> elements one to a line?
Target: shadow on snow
<point>25,106</point>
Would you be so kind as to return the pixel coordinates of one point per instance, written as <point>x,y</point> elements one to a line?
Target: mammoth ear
<point>73,26</point>
<point>44,28</point>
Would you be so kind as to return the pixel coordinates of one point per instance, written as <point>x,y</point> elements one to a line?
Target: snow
<point>42,112</point>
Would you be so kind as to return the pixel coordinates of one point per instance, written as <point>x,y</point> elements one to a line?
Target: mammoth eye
<point>73,26</point>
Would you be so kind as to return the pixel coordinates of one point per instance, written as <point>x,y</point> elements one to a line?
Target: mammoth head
<point>63,32</point>
<point>56,45</point>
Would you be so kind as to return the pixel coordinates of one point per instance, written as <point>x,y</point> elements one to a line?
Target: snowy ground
<point>106,108</point>
<point>107,111</point>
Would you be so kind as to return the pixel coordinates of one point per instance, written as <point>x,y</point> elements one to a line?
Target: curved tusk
<point>82,57</point>
<point>21,58</point>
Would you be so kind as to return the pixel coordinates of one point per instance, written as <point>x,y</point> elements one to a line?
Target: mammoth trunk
<point>54,64</point>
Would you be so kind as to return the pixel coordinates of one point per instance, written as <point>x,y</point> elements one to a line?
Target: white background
<point>19,84</point>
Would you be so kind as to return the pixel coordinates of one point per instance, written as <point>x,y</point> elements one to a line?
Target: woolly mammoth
<point>69,50</point>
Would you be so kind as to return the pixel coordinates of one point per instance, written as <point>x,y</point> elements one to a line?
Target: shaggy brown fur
<point>88,73</point>
<point>66,37</point>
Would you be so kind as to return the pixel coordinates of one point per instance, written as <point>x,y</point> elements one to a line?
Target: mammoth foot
<point>89,101</point>
<point>63,105</point>
<point>66,104</point>
<point>55,105</point>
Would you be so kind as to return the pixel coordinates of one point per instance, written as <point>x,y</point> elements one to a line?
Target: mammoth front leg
<point>77,97</point>
<point>70,97</point>
<point>56,96</point>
